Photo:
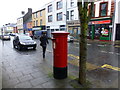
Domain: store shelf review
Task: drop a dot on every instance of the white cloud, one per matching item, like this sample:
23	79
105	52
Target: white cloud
10	10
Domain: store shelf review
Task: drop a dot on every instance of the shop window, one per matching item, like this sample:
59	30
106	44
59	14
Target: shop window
97	31
103	9
56	29
52	30
105	31
89	32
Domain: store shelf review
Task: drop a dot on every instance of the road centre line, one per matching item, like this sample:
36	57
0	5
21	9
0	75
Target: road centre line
88	44
101	45
110	52
103	51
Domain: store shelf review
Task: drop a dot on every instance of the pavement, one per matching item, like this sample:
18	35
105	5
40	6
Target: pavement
21	72
38	73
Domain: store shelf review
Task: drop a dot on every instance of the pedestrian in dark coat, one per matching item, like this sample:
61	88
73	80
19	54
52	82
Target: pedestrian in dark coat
44	42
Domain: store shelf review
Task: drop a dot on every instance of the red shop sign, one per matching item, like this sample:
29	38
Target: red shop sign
101	22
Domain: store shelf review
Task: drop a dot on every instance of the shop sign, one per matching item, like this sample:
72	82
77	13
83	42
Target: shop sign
101	22
76	22
29	25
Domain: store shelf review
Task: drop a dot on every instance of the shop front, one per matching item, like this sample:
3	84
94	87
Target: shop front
74	28
100	29
37	29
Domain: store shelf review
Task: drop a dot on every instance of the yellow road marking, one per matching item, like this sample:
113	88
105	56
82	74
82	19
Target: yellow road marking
77	57
116	46
110	67
90	66
75	62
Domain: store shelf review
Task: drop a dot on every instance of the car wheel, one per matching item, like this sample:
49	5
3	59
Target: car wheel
19	47
14	45
34	48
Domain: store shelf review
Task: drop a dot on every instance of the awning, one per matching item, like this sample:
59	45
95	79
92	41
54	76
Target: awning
38	28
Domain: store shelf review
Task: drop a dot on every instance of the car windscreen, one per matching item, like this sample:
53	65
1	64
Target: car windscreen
5	35
25	38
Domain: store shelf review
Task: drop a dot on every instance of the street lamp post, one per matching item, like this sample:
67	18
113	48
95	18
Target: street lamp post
65	21
65	16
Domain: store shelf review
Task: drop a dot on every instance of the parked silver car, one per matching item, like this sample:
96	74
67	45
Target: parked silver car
70	38
5	37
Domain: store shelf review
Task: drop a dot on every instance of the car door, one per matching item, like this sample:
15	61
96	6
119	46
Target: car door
16	40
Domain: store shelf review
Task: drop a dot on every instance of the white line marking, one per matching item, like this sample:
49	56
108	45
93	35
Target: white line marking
101	45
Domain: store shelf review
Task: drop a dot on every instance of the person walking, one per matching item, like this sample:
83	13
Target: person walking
44	42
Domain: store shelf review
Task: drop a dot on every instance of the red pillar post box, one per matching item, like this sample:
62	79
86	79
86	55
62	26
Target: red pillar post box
60	54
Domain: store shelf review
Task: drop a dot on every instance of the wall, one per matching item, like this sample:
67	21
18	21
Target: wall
43	17
20	23
55	24
97	7
75	8
116	18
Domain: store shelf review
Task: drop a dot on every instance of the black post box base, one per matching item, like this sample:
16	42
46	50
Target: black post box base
60	73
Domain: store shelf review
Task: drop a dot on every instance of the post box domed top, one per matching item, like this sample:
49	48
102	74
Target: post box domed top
60	33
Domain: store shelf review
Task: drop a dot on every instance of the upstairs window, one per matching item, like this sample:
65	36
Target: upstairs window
34	15
40	13
59	5
50	8
36	22
93	11
40	21
103	9
72	15
67	16
72	3
50	18
59	16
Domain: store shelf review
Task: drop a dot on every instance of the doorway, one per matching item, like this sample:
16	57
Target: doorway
117	32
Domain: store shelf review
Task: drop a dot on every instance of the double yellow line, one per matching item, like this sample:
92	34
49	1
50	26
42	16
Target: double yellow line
110	67
89	65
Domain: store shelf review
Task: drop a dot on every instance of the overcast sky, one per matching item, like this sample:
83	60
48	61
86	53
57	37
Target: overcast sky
10	10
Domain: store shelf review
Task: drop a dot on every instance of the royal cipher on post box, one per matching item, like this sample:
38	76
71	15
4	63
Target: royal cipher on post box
60	54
